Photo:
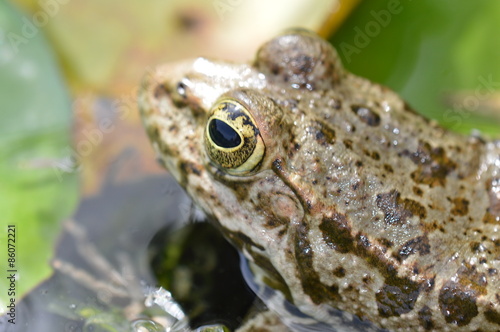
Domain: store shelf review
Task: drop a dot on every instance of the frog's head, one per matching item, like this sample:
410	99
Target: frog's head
224	131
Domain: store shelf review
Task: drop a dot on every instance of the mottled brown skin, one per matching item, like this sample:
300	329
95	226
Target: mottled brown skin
359	203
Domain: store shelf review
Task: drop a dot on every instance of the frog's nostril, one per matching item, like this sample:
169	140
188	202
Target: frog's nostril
177	94
181	89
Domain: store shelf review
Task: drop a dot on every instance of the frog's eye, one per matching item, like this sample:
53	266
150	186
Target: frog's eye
232	139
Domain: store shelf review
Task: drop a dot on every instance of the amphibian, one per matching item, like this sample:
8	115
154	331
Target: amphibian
341	195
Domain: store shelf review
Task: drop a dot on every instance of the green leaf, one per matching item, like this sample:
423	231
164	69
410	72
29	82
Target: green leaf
427	50
35	193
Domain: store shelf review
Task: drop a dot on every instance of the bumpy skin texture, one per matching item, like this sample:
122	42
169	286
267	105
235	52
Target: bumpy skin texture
359	203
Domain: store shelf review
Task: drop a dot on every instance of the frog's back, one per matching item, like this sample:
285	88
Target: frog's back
389	193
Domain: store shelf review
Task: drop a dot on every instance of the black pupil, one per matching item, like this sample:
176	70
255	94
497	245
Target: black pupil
223	135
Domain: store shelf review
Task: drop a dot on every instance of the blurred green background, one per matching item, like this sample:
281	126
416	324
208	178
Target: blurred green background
442	56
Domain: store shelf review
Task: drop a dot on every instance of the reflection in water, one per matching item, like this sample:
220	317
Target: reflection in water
103	279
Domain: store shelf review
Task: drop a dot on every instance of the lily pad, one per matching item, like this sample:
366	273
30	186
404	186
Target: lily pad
36	190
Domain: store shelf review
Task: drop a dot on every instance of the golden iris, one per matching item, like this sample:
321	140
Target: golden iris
232	139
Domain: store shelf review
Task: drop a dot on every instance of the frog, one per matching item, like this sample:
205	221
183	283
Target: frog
357	211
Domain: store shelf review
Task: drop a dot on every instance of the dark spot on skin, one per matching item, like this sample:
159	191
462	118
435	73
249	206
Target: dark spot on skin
438	227
277	164
375	156
359	163
476	247
388	168
190	168
183	181
367	280
417	191
492	316
276	222
433	165
489	218
303	62
348	144
458	305
339	272
425	318
275	69
366	115
311	283
397	296
419	244
324	134
337	233
461	207
397	210
492	272
475	280
386	243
